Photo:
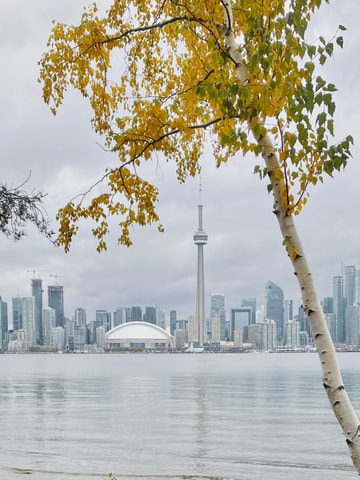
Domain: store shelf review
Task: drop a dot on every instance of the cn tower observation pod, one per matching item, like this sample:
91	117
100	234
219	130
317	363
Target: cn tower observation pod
141	335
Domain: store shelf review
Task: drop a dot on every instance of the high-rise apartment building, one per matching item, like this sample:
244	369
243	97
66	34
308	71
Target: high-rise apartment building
288	310
350	284
172	322
160	318
292	334
28	318
274	307
80	316
17	313
56	301
36	292
48	325
150	315
103	319
136	314
339	308
4	327
119	316
352	324
217	309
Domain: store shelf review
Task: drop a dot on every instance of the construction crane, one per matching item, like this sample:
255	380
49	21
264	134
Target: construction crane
33	271
56	276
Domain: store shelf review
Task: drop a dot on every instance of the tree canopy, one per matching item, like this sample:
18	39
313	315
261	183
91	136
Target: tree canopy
167	76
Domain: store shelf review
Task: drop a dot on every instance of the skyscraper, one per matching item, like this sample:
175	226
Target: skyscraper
80	316
3	324
350	288
172	321
17	313
240	319
250	302
36	292
200	239
217	309
274	307
103	319
150	315
28	318
56	301
339	308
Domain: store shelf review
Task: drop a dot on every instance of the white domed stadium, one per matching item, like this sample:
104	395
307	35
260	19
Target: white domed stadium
138	335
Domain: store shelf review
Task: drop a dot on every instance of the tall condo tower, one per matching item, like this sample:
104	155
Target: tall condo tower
200	239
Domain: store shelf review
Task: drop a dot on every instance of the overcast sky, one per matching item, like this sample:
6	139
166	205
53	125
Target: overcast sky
244	249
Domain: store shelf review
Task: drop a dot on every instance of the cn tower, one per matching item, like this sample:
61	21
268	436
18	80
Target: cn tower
200	239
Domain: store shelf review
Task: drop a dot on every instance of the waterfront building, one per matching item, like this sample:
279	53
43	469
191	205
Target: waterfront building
292	334
274	307
18	341
349	285
59	338
192	330
140	335
150	315
56	301
36	292
304	321
69	329
339	308
103	319
136	314
48	324
100	337
160	318
182	324
288	310
119	316
238	338
181	338
240	318
304	338
4	327
331	324
28	318
269	332
328	305
352	324
80	316
215	328
250	302
17	313
255	334
357	285
172	321
217	309
200	239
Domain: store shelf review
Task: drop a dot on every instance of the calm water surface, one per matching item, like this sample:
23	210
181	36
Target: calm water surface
225	416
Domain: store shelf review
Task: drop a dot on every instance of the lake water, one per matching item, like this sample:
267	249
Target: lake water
169	416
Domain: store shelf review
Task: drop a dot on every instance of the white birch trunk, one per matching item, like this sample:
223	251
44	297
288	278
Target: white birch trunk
331	374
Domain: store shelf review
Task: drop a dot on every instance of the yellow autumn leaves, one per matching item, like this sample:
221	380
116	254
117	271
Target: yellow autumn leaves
159	78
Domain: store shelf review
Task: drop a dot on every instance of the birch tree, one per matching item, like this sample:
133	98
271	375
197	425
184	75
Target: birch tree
239	73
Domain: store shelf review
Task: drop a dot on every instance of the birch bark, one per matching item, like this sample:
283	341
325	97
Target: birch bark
332	379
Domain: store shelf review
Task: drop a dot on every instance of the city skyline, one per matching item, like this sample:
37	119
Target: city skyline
216	302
